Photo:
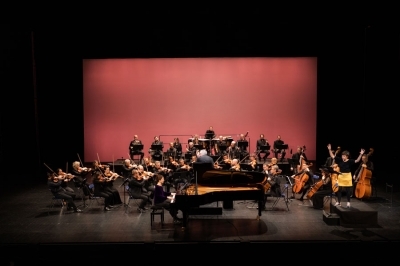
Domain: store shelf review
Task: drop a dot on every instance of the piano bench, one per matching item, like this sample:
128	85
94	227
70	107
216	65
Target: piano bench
155	210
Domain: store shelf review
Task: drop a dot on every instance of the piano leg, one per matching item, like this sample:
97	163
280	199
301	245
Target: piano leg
260	207
185	218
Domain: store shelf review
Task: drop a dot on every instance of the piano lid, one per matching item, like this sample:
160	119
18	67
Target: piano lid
224	178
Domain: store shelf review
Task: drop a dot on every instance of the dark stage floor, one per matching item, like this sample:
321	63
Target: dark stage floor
28	224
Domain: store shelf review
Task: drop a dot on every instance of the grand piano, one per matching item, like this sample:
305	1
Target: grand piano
219	185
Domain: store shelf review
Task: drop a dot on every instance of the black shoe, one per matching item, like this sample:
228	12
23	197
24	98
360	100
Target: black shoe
176	221
107	209
78	210
141	209
110	206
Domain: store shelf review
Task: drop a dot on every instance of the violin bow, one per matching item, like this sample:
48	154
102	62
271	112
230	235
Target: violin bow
49	168
80	159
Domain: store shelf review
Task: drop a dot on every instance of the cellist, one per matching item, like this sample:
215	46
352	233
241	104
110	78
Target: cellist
365	164
304	174
317	199
344	178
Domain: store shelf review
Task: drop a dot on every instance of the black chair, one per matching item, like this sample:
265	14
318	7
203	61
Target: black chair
131	198
156	211
56	201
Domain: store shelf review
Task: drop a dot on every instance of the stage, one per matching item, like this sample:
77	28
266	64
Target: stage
28	223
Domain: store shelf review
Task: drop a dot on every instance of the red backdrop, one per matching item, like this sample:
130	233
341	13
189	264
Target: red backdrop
183	97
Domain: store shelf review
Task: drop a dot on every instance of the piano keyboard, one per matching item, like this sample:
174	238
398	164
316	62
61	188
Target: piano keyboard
173	197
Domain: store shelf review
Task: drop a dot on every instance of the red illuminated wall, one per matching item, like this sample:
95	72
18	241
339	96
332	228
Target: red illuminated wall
177	97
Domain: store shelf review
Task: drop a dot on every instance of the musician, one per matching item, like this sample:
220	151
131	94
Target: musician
136	188
127	168
277	144
220	146
305	170
297	157
54	184
365	164
171	151
100	191
242	144
148	165
135	151
157	155
196	140
274	161
235	166
165	172
163	199
233	151
273	180
97	165
344	178
317	199
191	149
172	164
253	162
65	178
210	134
262	142
80	174
184	169
109	177
178	148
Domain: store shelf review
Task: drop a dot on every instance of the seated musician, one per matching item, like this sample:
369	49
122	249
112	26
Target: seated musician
305	170
148	165
110	177
260	150
171	151
157	155
196	140
186	170
220	146
158	170
242	144
163	199
274	161
135	151
277	144
172	164
233	151
235	166
297	158
253	162
193	160
136	188
325	189
80	174
127	168
65	178
273	180
97	165
54	184
101	191
178	148
191	149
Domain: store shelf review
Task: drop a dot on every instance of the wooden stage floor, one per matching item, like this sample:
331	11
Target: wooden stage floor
27	224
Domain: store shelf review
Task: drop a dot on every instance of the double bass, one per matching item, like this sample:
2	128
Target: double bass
363	188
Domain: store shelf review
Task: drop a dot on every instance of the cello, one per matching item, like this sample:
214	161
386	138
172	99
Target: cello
363	188
300	180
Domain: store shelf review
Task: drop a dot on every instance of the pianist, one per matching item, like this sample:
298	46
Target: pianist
163	199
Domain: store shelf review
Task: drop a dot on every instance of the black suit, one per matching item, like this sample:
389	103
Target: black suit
260	143
136	189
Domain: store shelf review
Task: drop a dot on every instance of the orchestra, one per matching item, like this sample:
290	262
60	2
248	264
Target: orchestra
225	155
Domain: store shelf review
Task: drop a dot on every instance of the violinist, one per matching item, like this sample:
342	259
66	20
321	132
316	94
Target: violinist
277	147
235	166
261	143
65	178
148	180
193	160
148	165
305	170
274	161
108	178
54	184
325	189
97	165
136	187
253	162
365	164
127	168
133	150
157	154
171	151
158	170
344	178
185	173
191	149
80	179
273	180
172	164
178	148
101	191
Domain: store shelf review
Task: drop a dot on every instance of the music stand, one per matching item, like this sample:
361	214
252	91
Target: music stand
137	147
246	167
265	147
156	147
242	145
222	147
282	147
198	146
209	136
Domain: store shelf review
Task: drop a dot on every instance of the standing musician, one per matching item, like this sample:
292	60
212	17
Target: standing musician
133	151
365	164
344	178
171	151
305	170
260	143
54	184
210	134
323	188
233	151
136	185
273	181
298	158
157	155
242	144
80	174
127	168
277	144
178	147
